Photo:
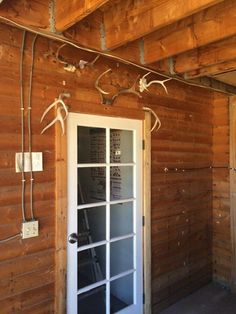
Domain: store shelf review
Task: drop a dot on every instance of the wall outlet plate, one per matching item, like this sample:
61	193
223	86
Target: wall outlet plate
30	229
37	161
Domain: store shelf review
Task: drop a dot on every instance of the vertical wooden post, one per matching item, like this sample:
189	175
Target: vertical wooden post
147	214
233	188
61	221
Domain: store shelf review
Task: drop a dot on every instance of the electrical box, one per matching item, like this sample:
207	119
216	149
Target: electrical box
30	229
37	161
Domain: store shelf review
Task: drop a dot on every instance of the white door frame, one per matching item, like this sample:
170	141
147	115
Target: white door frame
75	119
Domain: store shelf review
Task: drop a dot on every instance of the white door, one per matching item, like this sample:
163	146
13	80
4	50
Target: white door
104	273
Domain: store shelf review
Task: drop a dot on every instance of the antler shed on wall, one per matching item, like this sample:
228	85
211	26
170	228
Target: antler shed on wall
60	108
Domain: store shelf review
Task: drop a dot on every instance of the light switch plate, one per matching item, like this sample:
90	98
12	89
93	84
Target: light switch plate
30	229
37	161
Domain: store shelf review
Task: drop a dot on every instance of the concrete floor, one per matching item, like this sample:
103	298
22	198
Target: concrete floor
211	299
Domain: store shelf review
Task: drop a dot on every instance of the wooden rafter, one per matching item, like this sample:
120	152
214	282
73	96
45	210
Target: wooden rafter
87	32
68	13
29	13
210	25
130	20
212	54
211	70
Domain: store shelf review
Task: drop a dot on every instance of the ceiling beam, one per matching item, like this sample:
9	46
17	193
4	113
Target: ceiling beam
205	56
68	13
212	24
211	70
132	19
87	32
29	13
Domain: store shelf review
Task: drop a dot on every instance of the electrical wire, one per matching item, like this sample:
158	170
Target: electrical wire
29	126
181	170
10	238
63	39
22	108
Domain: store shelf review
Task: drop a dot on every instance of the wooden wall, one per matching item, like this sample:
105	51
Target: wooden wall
27	267
181	201
221	191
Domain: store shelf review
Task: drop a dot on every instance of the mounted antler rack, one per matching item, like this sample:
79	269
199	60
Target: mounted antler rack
103	94
73	67
143	84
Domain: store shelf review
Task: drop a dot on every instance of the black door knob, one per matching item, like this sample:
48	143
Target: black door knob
73	238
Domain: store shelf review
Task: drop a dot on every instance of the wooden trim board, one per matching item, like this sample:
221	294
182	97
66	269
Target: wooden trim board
60	221
147	213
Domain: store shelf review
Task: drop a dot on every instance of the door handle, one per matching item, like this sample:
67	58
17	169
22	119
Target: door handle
73	238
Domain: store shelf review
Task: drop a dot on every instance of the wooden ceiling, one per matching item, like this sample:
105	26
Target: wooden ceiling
188	38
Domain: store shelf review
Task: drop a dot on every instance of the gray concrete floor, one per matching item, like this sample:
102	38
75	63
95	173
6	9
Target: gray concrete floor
211	299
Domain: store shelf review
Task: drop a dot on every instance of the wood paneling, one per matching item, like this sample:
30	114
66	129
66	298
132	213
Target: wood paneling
232	219
221	191
181	200
27	267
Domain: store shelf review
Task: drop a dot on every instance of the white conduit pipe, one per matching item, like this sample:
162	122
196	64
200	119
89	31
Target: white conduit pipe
29	127
22	108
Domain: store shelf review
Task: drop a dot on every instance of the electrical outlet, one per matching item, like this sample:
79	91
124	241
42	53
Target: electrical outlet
30	229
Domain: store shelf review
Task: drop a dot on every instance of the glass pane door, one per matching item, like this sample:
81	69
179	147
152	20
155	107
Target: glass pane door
104	215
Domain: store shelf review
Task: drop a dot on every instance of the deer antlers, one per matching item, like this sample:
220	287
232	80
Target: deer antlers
61	107
103	94
69	67
143	85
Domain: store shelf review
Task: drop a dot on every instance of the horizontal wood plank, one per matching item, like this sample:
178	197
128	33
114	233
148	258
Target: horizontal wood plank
212	54
143	17
210	25
68	13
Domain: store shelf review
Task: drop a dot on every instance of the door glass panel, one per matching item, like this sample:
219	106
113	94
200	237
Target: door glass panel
91	145
91	185
91	266
91	225
121	258
93	301
121	182
121	146
121	294
121	219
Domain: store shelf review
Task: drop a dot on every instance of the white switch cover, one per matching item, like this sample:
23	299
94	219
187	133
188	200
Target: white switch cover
30	229
37	161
